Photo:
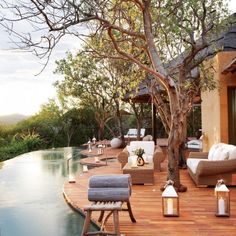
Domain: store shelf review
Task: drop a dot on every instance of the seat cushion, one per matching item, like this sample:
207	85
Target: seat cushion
195	144
212	150
132	159
148	146
222	151
220	154
231	149
130	149
192	164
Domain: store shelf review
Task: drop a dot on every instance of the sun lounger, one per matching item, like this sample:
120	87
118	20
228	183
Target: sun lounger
132	134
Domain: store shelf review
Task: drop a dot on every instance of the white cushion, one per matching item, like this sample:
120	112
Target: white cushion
133	133
192	164
130	149
231	150
232	153
148	146
224	155
194	144
212	151
148	158
132	159
221	153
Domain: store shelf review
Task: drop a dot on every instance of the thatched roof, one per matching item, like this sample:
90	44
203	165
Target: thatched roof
225	41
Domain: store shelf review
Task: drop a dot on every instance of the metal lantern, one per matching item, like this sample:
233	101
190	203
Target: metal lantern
170	200
100	149
222	199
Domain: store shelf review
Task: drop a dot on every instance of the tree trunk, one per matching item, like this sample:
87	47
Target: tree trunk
175	141
69	137
119	122
112	133
182	148
101	130
139	125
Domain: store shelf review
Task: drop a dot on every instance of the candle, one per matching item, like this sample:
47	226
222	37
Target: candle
170	206
71	179
134	162
85	168
221	206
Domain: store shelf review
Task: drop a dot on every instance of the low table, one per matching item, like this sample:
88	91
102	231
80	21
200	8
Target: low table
141	174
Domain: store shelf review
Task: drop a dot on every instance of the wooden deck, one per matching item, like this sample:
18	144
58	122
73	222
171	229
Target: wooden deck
197	207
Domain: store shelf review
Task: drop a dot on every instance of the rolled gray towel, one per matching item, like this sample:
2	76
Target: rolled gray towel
110	181
108	194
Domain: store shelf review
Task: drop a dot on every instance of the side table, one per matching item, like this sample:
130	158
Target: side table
141	174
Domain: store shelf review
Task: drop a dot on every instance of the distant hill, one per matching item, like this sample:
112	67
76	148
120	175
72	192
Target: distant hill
12	119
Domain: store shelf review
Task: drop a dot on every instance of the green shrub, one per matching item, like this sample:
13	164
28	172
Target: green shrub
21	144
12	150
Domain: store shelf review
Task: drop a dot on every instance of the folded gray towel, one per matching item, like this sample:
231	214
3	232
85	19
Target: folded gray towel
110	181
108	194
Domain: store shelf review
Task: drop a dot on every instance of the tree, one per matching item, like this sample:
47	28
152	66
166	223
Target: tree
95	82
50	116
148	33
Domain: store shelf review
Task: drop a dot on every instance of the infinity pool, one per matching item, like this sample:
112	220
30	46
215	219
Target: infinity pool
31	200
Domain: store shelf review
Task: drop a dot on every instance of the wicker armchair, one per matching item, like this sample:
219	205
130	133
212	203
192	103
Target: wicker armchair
207	170
158	157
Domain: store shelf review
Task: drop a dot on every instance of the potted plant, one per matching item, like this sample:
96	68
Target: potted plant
139	152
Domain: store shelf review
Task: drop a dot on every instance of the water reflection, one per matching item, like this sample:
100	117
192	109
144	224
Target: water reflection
31	201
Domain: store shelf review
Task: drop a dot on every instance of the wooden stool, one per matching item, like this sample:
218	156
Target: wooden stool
113	208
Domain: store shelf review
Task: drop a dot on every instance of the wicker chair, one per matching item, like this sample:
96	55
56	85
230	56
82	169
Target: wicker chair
158	157
207	171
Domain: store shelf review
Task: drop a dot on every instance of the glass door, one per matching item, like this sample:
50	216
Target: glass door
232	114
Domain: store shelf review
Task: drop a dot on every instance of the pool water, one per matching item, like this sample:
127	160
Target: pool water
31	199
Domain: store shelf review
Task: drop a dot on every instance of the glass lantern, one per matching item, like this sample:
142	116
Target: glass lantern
94	140
89	146
85	168
100	149
222	199
71	179
170	200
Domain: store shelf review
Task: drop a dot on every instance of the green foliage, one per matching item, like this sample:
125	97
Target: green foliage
194	122
20	143
98	83
12	150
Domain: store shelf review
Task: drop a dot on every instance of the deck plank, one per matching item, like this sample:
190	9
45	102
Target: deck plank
197	207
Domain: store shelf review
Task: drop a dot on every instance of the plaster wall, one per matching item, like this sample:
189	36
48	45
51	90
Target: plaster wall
215	103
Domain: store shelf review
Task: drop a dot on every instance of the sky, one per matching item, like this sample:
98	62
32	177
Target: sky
21	91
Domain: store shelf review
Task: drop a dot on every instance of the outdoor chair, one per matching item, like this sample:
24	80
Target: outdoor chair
153	154
132	134
195	144
108	193
220	163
